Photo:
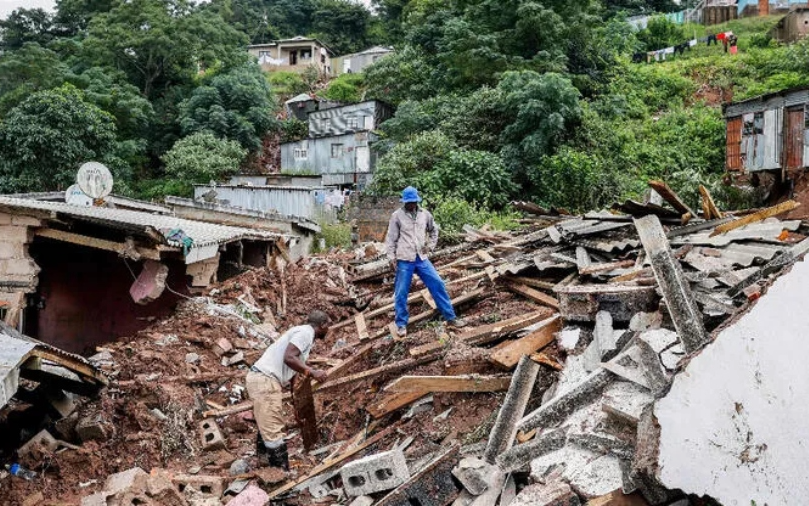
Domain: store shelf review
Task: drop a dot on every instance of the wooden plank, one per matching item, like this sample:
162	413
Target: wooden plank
466	383
532	282
245	406
534	295
303	401
632	275
425	294
709	207
523	437
393	402
762	215
671	197
508	357
328	464
371	373
541	358
362	328
484	256
618	498
282	248
93	242
596	268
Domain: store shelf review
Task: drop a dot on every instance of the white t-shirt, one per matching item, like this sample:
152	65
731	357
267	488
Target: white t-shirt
272	363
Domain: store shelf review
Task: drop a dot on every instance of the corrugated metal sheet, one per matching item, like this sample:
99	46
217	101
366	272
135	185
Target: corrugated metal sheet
330	155
793	152
734	144
364	116
773	127
288	200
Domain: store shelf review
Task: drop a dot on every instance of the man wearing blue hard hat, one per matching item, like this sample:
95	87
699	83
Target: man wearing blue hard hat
412	234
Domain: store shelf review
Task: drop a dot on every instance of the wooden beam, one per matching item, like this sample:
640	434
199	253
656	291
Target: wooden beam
534	295
60	382
783	207
532	282
466	383
362	328
328	464
508	357
371	373
709	208
671	197
541	358
92	242
393	402
303	401
596	268
216	413
425	294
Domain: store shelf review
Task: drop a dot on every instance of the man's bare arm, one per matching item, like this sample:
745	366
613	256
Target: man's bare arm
292	358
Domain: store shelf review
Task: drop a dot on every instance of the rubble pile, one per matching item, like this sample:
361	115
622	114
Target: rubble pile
563	390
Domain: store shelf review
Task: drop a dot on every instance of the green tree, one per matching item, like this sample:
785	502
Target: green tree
73	16
200	158
160	43
661	33
27	70
237	105
23	26
45	139
341	24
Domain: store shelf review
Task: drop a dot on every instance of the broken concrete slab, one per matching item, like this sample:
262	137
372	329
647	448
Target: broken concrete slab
476	475
676	291
742	423
509	491
431	486
558	494
569	338
561	463
625	401
598	477
659	339
521	455
565	403
640	364
581	303
641	322
501	437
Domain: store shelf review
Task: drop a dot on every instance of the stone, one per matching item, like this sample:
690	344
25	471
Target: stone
211	436
250	496
599	477
269	476
557	494
235	359
97	499
642	322
421	406
375	473
134	479
362	500
191	358
92	428
34	499
476	475
239	466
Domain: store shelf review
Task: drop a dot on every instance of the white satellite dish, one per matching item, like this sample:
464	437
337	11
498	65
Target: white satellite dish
95	180
75	197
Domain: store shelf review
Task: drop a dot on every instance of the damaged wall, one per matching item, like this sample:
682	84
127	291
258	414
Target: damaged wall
734	425
18	271
85	293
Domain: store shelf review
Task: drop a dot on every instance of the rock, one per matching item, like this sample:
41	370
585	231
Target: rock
92	428
191	358
475	474
238	467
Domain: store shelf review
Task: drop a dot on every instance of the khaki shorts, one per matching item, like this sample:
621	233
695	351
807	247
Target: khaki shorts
268	407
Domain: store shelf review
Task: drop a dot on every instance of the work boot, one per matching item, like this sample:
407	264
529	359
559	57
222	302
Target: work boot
401	331
261	448
457	323
277	456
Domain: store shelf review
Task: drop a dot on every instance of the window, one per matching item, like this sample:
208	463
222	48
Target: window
753	124
301	154
353	123
337	151
306	55
264	54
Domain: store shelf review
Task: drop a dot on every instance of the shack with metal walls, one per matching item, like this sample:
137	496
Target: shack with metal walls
768	133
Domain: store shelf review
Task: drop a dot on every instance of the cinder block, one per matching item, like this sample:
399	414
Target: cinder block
208	486
375	473
5	219
212	438
92	428
21	267
133	479
25	221
12	250
12	233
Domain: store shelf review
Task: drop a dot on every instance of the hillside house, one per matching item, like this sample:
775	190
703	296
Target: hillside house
293	55
792	27
339	144
768	133
300	106
357	62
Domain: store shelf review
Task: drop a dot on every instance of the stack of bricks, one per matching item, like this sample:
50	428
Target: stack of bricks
18	271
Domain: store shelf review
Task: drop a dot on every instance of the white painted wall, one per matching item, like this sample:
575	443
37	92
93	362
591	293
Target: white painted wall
735	424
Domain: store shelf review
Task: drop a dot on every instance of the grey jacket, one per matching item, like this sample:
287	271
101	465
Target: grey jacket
408	238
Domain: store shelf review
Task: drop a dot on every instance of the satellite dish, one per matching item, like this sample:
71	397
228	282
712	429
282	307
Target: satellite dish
75	197
95	180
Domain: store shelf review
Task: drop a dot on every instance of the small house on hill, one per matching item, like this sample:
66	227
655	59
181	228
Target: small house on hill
792	27
768	133
293	55
300	106
357	62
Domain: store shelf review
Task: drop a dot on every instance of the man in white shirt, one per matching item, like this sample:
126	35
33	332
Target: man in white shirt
272	373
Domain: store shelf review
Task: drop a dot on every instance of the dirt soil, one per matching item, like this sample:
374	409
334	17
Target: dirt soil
152	412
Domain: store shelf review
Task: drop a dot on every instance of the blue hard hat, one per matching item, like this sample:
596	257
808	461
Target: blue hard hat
410	194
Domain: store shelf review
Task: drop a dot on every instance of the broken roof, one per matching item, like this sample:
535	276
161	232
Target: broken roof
149	225
16	350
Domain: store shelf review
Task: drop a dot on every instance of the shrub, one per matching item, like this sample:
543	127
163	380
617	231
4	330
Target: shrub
200	158
346	88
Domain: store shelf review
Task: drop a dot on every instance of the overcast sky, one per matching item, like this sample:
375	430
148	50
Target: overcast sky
6	6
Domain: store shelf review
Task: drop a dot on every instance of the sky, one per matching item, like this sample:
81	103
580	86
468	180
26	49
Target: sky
6	6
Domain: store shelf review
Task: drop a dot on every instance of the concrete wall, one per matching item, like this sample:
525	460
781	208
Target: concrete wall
734	424
18	271
372	215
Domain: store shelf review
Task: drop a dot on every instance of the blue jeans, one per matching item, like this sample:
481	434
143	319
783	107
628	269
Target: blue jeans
435	285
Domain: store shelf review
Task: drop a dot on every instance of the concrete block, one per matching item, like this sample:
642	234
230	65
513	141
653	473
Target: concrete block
250	496
131	479
5	219
375	473
564	404
206	486
211	436
521	455
624	401
11	233
34	447
476	475
20	267
561	463
92	428
599	477
25	221
557	494
501	438
10	250
431	486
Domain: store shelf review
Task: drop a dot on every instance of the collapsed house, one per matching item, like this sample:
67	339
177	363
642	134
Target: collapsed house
595	372
78	276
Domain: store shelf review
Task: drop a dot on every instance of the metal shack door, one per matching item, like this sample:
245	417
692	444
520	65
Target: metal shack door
793	146
363	154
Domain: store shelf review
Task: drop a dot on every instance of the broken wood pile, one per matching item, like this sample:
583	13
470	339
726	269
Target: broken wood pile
578	325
